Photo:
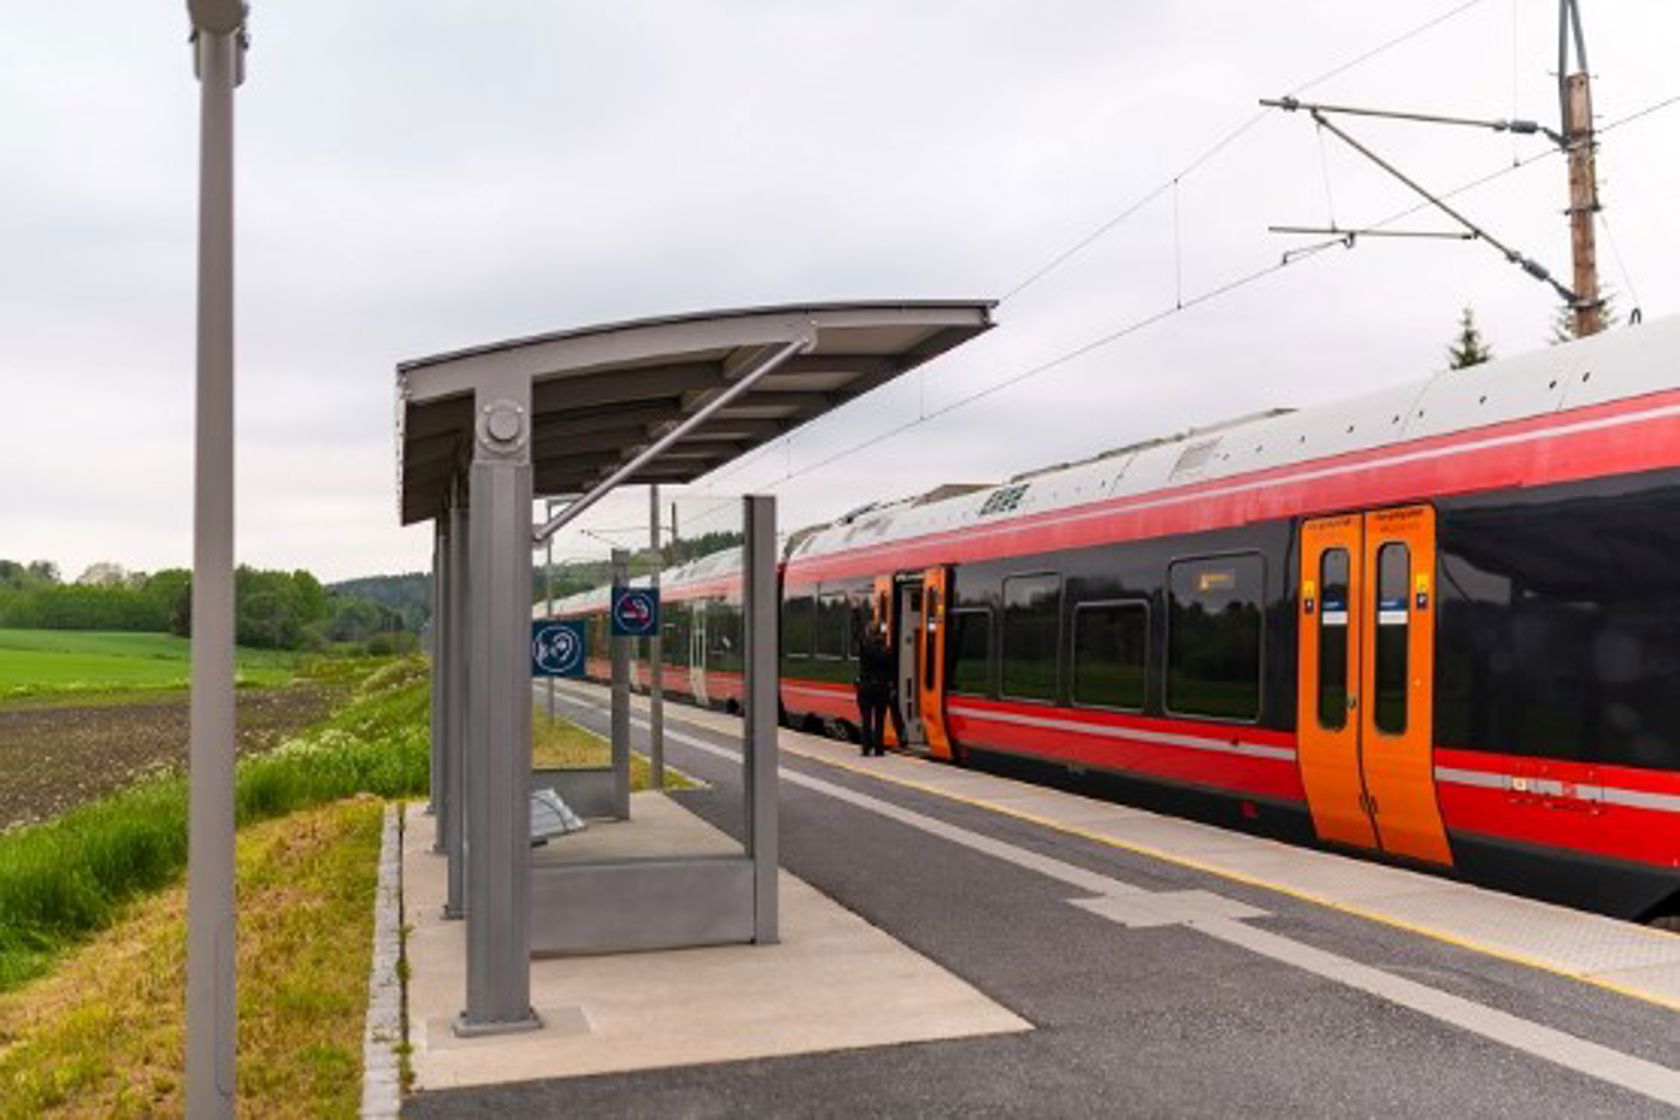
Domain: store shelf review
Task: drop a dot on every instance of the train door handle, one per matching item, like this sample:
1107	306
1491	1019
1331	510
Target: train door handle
1353	701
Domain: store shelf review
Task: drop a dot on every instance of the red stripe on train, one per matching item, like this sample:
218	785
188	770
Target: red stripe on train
1207	766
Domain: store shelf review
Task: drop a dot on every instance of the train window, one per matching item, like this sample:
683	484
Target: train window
799	626
1031	615
1214	634
1110	652
857	615
833	626
673	646
970	642
723	636
1394	574
1333	608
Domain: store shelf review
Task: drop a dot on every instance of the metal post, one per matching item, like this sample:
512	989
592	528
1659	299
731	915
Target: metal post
499	708
454	818
211	1017
656	664
434	773
762	698
621	699
548	608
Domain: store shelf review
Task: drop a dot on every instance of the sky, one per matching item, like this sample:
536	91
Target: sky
421	176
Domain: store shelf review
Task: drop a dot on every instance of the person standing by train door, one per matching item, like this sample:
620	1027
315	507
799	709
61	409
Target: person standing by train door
874	682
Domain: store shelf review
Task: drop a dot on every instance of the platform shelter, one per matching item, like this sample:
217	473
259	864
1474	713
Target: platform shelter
485	431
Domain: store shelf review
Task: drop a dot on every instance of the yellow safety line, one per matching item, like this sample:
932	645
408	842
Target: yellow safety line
1454	939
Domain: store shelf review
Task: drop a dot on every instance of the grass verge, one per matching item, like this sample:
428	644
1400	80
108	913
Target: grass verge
103	1035
563	745
72	877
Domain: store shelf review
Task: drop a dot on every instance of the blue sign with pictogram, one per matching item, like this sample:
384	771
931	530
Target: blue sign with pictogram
635	612
557	648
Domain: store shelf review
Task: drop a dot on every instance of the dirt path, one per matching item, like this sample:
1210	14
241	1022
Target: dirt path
52	759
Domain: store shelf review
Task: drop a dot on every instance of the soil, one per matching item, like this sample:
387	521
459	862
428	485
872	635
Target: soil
55	758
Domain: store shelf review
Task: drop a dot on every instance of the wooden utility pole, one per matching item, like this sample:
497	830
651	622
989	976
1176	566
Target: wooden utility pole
1575	98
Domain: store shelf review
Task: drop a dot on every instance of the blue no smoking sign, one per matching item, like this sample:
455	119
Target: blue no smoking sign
557	649
635	612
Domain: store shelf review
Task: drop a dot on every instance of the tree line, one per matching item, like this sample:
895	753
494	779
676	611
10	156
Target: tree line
573	576
272	609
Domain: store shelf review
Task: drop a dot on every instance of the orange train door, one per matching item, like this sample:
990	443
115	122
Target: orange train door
881	616
1365	697
1327	709
930	677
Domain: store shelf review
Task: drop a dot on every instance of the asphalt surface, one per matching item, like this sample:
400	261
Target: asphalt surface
1130	1021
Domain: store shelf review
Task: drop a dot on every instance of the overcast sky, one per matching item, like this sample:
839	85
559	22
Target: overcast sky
424	175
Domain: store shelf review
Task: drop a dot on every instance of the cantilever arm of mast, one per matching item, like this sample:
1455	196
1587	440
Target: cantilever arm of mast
1518	126
1528	264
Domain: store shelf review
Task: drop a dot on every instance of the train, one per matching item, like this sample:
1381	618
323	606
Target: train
1436	625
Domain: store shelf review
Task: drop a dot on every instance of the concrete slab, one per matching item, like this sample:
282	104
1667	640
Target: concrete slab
1578	943
657	829
834	983
1184	838
1320	875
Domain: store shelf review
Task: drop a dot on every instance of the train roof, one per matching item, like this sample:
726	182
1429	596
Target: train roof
1611	366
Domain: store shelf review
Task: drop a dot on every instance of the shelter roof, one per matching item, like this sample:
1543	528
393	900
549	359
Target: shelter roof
601	394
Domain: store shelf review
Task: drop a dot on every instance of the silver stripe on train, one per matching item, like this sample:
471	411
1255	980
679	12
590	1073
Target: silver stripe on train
1551	787
1252	750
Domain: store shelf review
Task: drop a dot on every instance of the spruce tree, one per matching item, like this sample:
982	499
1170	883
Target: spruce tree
1468	348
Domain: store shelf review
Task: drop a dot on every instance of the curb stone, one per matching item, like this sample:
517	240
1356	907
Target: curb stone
383	1034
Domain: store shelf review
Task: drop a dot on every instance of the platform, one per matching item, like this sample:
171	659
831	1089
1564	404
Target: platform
1168	967
833	983
1630	959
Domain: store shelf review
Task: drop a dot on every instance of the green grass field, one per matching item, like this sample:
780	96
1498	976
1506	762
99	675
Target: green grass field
58	662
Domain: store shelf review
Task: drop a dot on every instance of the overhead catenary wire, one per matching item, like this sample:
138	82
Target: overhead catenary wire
1151	319
1219	145
1171	184
1061	359
1635	314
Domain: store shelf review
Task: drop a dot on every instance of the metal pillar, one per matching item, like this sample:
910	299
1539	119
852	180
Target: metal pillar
621	699
759	729
453	820
548	597
211	1017
499	711
440	582
656	661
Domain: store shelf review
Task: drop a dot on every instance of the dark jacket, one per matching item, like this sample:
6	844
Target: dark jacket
875	670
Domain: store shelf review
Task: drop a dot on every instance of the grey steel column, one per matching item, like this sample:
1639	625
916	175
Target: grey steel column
434	772
211	1018
620	698
656	664
759	728
454	819
499	710
548	611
